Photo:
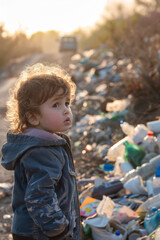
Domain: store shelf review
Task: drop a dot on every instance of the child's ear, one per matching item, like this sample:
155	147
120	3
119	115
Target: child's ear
32	119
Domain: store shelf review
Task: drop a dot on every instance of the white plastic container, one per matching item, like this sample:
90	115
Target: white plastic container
149	142
140	132
135	185
117	150
154	126
126	167
118	235
127	129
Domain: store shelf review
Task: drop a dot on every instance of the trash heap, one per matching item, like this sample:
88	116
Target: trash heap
116	151
117	161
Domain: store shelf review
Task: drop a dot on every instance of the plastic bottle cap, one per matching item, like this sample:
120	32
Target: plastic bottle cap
117	233
122	121
108	167
154	209
157	174
106	159
150	134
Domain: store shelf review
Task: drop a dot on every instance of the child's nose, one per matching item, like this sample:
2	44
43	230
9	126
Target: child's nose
66	110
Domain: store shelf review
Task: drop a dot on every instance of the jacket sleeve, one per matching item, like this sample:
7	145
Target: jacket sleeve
43	170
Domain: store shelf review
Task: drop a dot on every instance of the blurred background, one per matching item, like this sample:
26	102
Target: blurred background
125	26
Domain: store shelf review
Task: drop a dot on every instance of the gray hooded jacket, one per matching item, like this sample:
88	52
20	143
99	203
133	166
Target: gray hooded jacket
45	201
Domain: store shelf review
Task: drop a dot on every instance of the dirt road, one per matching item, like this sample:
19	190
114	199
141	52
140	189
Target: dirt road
5	85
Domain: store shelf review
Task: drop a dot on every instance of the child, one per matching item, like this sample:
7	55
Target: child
45	201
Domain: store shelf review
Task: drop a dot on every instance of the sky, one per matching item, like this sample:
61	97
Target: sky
43	15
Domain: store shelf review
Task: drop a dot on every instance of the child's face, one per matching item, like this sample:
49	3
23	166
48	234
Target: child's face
56	114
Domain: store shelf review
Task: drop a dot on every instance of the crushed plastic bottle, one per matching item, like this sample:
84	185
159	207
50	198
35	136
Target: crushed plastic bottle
151	220
149	142
133	154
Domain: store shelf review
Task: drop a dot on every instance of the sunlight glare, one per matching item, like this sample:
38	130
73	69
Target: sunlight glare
43	15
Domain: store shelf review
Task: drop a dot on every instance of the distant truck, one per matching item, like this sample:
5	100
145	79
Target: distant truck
68	43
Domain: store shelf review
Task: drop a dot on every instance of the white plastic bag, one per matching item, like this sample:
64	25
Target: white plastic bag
105	207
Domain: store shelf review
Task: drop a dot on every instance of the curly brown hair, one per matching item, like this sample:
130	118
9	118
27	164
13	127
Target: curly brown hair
35	85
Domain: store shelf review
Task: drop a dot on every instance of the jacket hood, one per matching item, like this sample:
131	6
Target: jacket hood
18	144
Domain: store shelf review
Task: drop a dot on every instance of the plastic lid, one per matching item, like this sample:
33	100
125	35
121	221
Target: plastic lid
117	233
122	121
150	134
157	174
108	167
154	209
106	159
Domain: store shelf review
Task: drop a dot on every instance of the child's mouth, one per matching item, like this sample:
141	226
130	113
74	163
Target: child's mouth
67	121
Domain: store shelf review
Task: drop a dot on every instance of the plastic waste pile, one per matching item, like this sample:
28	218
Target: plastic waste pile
126	203
117	162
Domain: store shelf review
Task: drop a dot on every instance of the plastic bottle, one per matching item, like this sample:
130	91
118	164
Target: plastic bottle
145	171
149	142
126	167
140	132
117	150
118	235
86	229
127	128
151	220
133	154
107	188
156	182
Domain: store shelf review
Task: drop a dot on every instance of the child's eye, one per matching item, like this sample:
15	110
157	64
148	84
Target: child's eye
67	104
56	105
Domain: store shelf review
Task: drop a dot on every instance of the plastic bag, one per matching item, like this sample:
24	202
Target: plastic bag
105	207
